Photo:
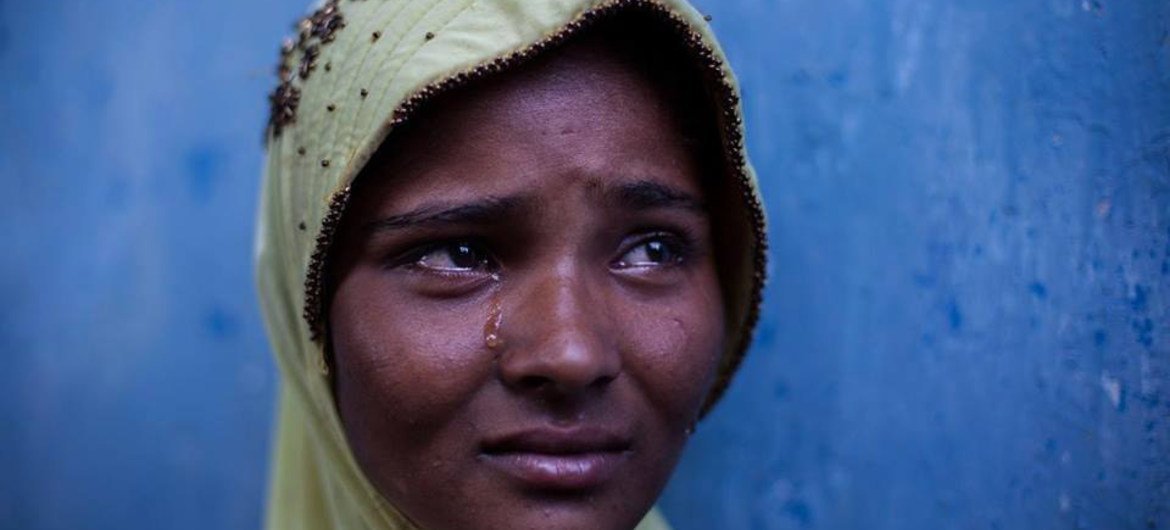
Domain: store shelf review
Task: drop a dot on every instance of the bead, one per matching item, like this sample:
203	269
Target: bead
309	60
284	101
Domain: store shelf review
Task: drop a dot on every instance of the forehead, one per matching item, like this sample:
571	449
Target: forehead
585	114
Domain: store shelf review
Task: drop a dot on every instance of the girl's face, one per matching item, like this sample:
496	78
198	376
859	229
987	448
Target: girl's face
526	314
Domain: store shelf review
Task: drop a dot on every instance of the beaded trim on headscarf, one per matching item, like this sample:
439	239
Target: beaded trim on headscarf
313	31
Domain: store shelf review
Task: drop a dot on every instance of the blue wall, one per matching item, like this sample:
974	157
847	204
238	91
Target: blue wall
967	324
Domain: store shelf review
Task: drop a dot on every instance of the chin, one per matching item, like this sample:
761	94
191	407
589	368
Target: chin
561	511
566	521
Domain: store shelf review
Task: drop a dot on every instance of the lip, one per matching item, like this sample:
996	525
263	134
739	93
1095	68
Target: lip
578	458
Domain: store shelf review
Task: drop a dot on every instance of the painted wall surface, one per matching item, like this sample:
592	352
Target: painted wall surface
967	324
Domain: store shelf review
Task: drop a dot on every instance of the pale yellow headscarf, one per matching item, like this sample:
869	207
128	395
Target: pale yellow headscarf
355	69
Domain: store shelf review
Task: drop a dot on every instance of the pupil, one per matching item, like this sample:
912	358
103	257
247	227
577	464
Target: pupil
464	257
656	251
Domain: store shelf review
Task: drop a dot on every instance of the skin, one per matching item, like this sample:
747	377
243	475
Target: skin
559	209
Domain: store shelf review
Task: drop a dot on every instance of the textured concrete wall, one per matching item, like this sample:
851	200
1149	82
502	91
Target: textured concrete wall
967	323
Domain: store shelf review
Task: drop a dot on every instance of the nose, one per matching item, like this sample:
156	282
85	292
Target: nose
559	341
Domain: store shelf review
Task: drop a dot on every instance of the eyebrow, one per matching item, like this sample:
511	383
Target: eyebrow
481	211
647	194
637	195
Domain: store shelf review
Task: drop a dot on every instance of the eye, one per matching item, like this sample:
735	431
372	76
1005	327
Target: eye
653	251
453	256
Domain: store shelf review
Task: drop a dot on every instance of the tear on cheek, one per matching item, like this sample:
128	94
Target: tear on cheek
492	334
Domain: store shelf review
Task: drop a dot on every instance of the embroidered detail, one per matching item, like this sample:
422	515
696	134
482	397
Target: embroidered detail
309	60
283	70
314	280
326	22
284	102
313	31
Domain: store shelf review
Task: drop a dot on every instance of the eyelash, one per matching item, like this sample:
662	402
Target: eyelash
679	243
412	258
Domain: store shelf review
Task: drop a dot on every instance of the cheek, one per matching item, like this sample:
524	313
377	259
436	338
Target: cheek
402	360
673	345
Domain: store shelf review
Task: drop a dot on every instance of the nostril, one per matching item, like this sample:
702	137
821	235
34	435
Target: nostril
539	383
533	382
603	381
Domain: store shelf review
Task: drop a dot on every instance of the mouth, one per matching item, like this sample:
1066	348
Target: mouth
558	459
